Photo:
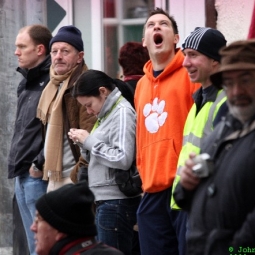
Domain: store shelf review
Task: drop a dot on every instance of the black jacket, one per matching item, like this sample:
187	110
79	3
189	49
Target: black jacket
27	142
222	208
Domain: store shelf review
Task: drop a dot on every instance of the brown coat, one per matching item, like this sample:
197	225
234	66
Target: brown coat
75	116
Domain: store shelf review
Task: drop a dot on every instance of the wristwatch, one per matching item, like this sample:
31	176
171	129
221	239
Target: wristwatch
35	168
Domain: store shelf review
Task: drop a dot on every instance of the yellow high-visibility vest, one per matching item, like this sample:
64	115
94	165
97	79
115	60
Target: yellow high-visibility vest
196	128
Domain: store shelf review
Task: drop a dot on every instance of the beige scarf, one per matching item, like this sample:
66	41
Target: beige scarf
50	111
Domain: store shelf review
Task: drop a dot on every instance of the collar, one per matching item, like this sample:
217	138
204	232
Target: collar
32	73
135	77
70	245
111	99
232	123
157	73
211	93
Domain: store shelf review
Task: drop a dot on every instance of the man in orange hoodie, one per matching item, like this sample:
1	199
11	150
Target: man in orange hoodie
163	99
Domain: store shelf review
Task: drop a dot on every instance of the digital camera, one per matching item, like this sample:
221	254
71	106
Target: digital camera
203	165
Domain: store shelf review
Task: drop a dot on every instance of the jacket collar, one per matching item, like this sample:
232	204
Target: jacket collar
32	73
212	93
70	245
109	102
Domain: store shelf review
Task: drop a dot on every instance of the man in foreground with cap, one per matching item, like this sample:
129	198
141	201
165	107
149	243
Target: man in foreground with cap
221	204
64	223
60	111
201	59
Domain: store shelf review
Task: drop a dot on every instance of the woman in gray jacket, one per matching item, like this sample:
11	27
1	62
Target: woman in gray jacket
108	147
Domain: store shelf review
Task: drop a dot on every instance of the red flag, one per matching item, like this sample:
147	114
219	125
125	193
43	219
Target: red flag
252	26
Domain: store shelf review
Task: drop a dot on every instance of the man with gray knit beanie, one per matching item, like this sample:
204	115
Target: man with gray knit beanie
59	111
64	223
201	59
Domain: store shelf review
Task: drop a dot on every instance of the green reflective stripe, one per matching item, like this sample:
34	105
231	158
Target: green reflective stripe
208	126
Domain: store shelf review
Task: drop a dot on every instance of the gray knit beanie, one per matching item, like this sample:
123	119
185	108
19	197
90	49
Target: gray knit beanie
207	41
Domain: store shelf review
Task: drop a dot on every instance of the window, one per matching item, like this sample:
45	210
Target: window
122	22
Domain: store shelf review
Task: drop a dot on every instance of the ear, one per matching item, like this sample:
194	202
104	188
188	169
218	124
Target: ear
40	49
215	64
143	42
176	38
103	91
80	57
60	236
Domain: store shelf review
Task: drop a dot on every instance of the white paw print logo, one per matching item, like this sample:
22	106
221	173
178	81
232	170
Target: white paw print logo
155	116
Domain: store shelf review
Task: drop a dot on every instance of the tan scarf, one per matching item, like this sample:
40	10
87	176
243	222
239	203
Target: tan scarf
50	111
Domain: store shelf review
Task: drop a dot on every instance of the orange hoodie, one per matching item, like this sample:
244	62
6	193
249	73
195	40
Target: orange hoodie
162	105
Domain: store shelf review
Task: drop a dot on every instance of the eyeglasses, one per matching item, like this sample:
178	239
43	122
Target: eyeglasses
244	82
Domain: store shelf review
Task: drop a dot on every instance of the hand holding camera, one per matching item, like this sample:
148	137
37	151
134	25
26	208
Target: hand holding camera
196	167
203	165
189	180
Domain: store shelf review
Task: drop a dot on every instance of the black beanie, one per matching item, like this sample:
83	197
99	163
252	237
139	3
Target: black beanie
207	41
69	209
69	34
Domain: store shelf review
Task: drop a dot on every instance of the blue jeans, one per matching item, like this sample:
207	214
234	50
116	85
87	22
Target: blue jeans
161	230
27	191
115	220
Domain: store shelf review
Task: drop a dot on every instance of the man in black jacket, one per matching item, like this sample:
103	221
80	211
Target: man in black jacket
25	162
219	193
65	223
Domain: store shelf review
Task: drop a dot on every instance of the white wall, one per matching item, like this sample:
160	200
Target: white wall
234	17
82	19
188	15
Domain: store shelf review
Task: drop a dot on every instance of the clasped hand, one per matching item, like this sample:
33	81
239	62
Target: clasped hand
78	135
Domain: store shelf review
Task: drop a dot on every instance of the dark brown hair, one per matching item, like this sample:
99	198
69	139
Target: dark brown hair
161	11
40	35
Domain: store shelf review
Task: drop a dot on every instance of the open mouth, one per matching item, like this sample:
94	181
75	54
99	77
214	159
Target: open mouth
158	39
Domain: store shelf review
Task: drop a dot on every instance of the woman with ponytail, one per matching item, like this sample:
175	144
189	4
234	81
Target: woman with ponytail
108	147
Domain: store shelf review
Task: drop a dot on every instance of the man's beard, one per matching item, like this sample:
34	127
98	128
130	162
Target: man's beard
242	113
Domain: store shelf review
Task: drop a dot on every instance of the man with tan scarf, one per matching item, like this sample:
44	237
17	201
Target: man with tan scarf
59	111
